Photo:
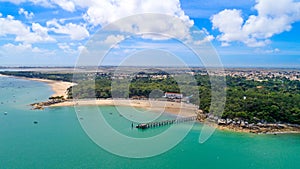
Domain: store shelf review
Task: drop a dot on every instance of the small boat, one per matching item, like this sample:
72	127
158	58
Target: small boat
35	122
5	113
142	126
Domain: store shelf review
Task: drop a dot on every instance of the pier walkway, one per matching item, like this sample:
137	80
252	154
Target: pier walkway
165	122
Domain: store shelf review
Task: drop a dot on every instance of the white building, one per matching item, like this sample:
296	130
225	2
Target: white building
170	95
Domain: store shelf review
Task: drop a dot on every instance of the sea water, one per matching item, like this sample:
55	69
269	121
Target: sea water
59	141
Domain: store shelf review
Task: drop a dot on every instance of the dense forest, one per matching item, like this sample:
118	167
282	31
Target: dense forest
271	100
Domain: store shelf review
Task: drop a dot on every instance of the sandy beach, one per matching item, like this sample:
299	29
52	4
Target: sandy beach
59	87
182	109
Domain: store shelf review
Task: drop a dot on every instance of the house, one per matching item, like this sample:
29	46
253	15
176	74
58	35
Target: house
170	95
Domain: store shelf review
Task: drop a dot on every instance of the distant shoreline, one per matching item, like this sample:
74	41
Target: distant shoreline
51	68
59	87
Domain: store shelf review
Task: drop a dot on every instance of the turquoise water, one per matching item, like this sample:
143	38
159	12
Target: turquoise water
58	141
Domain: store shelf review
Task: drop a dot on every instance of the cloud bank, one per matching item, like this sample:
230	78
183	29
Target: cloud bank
273	17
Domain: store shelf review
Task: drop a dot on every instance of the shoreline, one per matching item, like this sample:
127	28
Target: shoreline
262	130
174	108
181	109
58	87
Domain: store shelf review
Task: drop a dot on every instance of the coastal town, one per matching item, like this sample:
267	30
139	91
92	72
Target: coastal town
258	74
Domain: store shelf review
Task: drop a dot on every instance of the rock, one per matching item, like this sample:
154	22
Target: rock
251	125
281	126
221	121
229	121
242	124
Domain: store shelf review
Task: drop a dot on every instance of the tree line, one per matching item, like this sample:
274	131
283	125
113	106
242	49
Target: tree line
271	100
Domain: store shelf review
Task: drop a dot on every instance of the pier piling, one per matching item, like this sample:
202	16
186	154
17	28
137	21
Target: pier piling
165	122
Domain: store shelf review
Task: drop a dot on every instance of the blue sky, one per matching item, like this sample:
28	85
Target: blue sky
253	33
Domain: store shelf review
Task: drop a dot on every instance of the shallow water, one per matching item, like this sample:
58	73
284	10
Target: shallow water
58	140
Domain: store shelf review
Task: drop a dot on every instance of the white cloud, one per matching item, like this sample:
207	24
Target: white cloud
76	32
23	33
36	37
28	15
204	36
71	49
38	34
207	39
21	49
13	1
112	39
26	54
45	3
152	26
81	48
63	46
113	10
267	51
230	22
107	11
101	13
66	48
276	50
65	4
273	18
10	26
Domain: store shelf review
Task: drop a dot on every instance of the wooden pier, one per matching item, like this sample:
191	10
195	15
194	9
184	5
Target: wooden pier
165	122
